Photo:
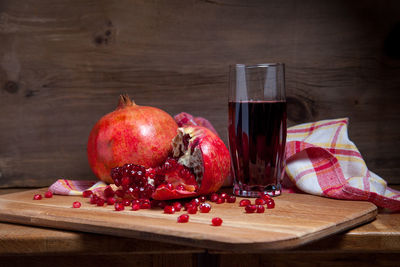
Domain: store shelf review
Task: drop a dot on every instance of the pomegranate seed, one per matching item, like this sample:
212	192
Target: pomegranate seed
37	197
110	201
251	208
169	209
120	193
136	201
220	200
184	218
180	187
108	192
187	206
177	206
162	204
100	202
231	199
76	204
205	208
93	199
214	197
145	204
192	210
125	181
217	221
48	194
260	209
170	186
244	202
270	204
203	198
119	206
126	202
265	196
195	202
224	195
87	193
259	201
135	206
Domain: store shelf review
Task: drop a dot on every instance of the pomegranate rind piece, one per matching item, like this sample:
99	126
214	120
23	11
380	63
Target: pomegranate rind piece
166	194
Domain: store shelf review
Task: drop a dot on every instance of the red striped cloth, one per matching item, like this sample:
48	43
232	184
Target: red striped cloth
321	160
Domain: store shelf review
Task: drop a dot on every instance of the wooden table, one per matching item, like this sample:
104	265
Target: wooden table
376	243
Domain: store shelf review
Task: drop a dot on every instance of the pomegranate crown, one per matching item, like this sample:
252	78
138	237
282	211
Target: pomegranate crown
125	101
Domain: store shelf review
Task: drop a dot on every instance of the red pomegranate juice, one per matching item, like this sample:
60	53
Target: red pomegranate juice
257	137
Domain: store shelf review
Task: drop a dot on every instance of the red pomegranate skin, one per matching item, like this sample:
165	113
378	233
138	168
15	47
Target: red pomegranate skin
216	164
131	134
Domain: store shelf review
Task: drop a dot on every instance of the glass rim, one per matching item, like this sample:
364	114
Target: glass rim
260	65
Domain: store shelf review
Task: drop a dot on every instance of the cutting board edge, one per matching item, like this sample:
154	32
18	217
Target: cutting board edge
289	243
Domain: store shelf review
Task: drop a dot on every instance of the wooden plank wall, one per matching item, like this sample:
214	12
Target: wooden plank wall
63	64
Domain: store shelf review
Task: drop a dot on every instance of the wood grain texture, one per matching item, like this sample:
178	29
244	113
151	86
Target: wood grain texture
63	64
297	219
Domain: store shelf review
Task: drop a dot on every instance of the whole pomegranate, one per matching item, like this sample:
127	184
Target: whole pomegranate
130	134
199	165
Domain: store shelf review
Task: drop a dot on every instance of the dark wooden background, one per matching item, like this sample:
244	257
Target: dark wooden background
64	63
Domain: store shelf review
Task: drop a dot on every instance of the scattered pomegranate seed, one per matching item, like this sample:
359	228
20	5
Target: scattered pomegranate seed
37	197
184	218
231	199
100	202
76	204
192	210
260	209
162	204
108	192
224	195
169	209
93	199
48	194
136	201
110	201
214	197
145	204
259	201
244	202
217	221
126	202
187	206
119	206
265	196
177	206
120	193
251	208
87	193
202	198
220	200
205	207
135	206
270	204
195	202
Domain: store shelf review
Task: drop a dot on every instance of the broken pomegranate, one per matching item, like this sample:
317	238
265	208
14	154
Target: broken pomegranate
132	133
199	165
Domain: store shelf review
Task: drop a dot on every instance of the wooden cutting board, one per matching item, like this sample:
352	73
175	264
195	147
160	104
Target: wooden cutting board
296	219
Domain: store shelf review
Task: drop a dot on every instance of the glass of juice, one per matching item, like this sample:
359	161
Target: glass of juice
257	127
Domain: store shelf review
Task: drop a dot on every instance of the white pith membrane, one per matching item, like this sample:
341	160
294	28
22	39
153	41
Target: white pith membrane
189	154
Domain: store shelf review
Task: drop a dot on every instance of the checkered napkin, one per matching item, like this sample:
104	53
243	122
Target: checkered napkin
321	160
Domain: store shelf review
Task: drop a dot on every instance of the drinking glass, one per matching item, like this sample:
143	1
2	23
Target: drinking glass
257	127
